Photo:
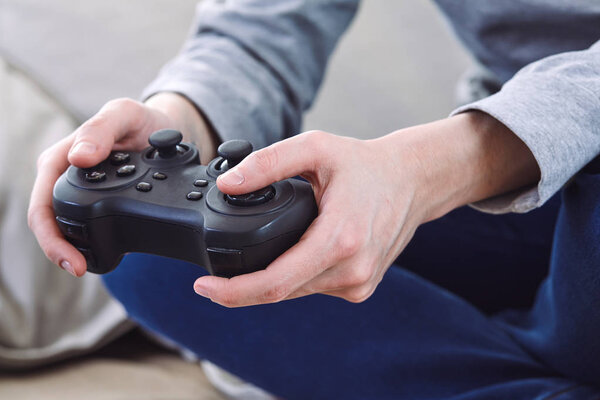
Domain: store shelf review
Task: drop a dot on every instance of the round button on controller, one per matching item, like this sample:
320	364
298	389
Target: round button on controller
260	196
119	158
159	176
95	176
144	187
126	170
194	196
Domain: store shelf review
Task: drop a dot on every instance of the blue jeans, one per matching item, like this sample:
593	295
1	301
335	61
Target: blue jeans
457	317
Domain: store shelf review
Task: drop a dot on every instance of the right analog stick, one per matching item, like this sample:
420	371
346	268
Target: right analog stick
255	198
234	151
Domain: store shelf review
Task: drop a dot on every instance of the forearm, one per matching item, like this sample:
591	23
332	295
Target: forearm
460	160
553	106
251	83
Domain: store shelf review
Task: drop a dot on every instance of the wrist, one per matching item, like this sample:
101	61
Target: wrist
460	160
187	119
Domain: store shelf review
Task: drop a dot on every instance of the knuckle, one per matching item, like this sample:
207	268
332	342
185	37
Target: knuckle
314	141
316	136
31	218
227	299
43	158
266	159
275	294
347	244
122	104
97	121
357	277
358	294
114	107
35	214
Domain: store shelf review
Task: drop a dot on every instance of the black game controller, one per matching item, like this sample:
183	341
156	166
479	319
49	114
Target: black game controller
162	201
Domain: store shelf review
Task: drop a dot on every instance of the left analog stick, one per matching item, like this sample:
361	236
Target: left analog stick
166	142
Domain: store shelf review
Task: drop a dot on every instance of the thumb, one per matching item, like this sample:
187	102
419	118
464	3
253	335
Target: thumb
291	157
95	138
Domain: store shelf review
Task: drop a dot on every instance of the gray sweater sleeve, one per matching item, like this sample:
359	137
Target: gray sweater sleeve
553	105
253	66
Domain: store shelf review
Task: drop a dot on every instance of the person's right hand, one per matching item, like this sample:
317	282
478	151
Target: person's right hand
120	124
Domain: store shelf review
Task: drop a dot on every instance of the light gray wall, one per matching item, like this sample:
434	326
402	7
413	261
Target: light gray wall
87	52
397	66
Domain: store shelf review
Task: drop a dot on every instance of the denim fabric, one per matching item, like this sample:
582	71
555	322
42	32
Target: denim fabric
563	328
479	256
412	339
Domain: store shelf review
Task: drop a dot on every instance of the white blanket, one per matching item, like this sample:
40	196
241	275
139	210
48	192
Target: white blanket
45	314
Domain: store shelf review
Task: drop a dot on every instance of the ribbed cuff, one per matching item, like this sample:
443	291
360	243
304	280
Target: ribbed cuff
552	117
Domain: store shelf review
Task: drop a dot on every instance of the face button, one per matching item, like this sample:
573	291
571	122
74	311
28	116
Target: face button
144	187
126	170
200	182
95	176
119	158
261	196
194	196
159	176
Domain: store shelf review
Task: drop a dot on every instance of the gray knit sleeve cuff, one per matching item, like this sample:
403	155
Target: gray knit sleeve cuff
557	129
240	100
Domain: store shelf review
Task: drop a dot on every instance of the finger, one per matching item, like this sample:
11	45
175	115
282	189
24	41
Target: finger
95	138
41	217
285	159
323	285
314	253
51	240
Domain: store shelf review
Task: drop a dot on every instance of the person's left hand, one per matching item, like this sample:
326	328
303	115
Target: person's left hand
367	215
372	195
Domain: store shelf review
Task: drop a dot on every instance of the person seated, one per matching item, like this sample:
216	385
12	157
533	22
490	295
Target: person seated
378	330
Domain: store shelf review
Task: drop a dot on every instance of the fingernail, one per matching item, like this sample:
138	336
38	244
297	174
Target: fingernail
67	267
232	177
201	290
84	149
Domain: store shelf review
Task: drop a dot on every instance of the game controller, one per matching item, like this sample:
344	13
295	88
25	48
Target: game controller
162	201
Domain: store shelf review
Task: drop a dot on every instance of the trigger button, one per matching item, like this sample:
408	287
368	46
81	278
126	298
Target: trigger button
72	229
225	259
